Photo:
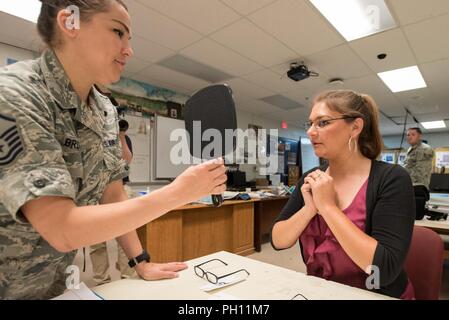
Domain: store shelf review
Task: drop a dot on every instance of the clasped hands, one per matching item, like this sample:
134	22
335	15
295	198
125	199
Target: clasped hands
318	192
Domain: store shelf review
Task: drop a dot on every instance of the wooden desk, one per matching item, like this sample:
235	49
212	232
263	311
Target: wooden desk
266	282
196	230
265	212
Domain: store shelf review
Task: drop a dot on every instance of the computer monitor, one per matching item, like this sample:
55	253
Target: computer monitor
236	179
439	182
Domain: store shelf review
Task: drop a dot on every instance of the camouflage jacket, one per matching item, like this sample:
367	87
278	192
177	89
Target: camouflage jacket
419	163
51	144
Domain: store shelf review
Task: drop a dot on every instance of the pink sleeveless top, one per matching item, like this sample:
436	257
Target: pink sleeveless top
325	258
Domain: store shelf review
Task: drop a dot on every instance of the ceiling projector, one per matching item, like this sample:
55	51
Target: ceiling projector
300	72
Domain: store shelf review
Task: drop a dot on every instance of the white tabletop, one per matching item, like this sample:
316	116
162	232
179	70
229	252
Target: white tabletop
266	282
439	226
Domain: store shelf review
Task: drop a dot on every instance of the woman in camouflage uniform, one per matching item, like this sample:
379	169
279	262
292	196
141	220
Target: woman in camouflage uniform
60	158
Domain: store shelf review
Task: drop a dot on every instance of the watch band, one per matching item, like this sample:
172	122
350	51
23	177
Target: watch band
144	256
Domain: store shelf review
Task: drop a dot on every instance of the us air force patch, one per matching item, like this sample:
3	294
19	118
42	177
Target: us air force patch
10	143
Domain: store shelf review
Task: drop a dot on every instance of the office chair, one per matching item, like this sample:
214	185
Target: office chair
421	197
424	263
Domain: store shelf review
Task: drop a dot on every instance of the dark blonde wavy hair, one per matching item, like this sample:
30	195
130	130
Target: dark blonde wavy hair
353	104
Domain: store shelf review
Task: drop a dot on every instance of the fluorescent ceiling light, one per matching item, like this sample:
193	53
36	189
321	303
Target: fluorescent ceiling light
404	79
25	9
356	19
434	124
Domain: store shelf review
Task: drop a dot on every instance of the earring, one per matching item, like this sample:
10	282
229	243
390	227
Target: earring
350	145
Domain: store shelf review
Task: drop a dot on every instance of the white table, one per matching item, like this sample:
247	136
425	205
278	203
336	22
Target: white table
266	282
441	227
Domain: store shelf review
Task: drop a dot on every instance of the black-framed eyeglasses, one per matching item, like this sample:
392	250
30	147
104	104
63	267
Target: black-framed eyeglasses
321	123
299	296
211	277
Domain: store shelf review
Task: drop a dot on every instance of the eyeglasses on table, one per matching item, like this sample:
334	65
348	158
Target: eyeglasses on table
211	277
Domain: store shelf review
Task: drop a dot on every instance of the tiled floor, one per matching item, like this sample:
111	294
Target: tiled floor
290	259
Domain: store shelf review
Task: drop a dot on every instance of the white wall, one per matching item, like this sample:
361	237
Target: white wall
436	140
7	51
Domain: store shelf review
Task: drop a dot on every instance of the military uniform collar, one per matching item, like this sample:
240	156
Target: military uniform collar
58	82
419	144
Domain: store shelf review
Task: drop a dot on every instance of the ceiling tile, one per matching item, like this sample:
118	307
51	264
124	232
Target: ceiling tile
282	102
173	77
135	65
297	25
149	51
436	74
258	107
410	11
371	84
250	41
302	95
204	16
153	26
244	90
393	43
194	68
272	81
340	62
245	7
427	41
214	54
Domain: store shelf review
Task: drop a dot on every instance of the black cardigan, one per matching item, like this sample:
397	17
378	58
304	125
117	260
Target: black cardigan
390	217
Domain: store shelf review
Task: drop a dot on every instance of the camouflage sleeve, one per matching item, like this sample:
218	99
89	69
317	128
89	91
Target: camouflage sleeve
423	156
113	155
31	162
118	166
427	154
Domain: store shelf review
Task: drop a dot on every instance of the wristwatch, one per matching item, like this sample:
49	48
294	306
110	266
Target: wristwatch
144	256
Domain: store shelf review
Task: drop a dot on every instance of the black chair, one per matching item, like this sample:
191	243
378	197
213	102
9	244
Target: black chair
439	182
421	197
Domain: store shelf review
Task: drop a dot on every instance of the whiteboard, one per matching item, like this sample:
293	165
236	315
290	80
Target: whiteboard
309	159
164	165
139	133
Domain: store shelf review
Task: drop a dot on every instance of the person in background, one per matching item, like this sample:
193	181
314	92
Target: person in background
61	165
418	161
98	252
353	215
418	164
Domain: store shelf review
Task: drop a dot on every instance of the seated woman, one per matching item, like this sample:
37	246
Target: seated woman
353	215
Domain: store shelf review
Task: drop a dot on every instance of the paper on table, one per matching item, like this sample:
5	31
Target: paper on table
229	194
222	296
222	283
83	293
